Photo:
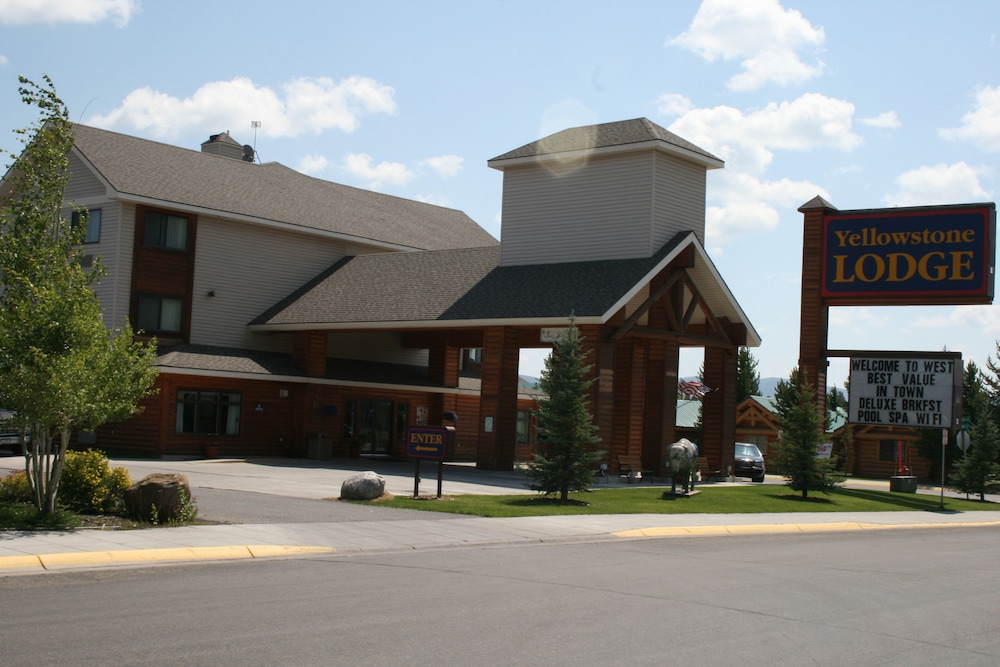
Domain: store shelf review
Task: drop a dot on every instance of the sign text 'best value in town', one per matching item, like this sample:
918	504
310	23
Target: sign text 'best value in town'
916	391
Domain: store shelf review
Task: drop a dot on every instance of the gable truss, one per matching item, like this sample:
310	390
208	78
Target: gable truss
681	300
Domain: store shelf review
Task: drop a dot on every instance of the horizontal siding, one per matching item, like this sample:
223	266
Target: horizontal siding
249	269
381	346
83	184
600	211
679	201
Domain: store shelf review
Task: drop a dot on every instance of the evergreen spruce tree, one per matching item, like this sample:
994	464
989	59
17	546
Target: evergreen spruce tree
978	472
566	458
747	376
802	424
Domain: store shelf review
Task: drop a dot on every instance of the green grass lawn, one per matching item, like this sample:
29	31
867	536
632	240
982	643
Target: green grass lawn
718	500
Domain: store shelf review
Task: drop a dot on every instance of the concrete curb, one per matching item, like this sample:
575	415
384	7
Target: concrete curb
68	560
759	529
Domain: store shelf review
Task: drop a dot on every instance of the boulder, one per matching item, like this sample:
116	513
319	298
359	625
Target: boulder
365	486
162	490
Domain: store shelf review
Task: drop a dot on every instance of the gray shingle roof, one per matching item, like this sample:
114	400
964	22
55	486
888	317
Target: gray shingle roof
605	135
455	286
271	192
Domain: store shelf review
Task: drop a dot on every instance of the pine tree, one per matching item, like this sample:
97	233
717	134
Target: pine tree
802	423
567	457
978	472
747	377
60	368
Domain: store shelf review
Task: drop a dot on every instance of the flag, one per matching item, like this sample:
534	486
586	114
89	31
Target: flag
692	389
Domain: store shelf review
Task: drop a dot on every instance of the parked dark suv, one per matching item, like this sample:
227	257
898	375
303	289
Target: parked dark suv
748	462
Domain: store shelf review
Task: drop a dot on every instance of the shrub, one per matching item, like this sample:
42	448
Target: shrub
89	484
14	488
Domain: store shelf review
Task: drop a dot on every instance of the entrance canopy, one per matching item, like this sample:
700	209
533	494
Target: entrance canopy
468	288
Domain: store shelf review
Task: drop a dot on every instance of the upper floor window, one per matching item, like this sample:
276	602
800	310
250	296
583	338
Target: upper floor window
163	230
91	219
158	313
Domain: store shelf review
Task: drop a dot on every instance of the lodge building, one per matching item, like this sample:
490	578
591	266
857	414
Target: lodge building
300	317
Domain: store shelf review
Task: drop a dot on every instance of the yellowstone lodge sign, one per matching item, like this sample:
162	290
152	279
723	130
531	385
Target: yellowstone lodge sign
916	389
909	255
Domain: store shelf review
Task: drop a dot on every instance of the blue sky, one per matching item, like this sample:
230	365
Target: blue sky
869	104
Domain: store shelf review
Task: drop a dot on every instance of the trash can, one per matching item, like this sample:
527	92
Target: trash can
903	483
319	447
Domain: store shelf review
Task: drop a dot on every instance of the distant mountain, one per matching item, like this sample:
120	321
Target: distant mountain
768	385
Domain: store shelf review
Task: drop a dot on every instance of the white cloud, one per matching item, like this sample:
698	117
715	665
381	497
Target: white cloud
20	12
673	104
437	200
762	34
887	120
857	320
376	175
985	319
939	184
309	105
313	164
3	60
982	124
445	165
746	140
743	200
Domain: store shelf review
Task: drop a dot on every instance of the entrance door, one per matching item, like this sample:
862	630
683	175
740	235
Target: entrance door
374	425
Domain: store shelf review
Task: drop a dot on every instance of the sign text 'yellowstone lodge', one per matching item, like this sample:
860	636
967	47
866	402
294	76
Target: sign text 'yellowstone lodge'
905	255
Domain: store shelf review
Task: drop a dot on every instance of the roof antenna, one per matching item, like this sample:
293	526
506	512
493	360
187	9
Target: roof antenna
255	124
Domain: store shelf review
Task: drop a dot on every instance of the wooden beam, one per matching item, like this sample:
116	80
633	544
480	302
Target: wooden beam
653	297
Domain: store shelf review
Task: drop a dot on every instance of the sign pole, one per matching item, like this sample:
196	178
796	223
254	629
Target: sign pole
944	443
416	479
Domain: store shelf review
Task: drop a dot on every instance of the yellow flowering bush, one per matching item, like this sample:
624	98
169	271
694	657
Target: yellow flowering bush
89	484
14	488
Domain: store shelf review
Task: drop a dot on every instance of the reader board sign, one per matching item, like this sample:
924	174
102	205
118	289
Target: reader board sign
903	255
912	389
430	442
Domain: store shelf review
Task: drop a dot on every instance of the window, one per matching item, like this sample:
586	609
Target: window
157	313
92	220
522	433
165	231
208	412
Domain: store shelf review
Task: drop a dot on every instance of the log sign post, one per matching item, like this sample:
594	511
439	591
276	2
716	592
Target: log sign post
436	443
908	256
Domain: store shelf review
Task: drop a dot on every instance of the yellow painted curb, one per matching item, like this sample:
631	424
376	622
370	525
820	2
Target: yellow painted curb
17	562
760	529
97	558
271	550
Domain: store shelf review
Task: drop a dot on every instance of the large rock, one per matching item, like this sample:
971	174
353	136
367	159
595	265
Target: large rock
161	490
365	486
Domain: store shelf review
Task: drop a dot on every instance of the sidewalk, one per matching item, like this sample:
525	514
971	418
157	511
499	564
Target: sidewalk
30	552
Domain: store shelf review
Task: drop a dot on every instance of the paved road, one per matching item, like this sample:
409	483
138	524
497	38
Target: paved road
902	597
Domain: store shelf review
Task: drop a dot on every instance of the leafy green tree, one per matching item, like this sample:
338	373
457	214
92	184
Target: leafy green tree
802	425
978	472
747	376
567	456
61	369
